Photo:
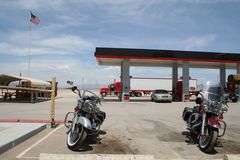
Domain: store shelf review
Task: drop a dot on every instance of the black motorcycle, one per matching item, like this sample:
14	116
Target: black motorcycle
86	119
205	121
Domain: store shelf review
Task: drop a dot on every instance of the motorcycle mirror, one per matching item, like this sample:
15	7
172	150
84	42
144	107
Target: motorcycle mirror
74	88
70	82
196	93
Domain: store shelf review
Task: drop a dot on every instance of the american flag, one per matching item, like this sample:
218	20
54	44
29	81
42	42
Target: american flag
34	19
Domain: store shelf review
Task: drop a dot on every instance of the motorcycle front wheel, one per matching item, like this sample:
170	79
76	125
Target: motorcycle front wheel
75	139
208	141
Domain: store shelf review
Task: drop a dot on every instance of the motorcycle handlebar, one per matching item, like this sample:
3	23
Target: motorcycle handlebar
78	92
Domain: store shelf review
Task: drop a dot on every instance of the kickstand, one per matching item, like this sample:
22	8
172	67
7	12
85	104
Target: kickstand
190	140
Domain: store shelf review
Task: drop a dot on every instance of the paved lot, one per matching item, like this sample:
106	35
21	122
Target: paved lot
138	127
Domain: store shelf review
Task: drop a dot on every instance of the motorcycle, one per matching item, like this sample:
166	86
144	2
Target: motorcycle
86	119
205	121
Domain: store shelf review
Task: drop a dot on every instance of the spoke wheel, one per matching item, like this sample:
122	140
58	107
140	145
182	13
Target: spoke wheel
76	138
208	140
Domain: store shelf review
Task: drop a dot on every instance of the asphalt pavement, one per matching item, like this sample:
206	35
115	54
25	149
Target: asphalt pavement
139	127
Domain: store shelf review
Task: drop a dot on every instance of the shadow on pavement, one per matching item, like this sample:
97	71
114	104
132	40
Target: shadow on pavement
92	140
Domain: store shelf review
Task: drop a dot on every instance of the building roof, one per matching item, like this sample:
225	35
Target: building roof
5	80
165	58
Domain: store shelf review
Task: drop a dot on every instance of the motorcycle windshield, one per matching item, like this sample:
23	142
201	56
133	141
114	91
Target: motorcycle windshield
213	92
214	98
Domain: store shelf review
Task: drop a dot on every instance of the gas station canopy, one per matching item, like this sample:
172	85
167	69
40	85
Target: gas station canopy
165	58
126	57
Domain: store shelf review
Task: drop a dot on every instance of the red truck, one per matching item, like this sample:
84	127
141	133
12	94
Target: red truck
144	86
112	89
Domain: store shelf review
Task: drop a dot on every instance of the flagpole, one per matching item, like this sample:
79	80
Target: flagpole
34	19
29	50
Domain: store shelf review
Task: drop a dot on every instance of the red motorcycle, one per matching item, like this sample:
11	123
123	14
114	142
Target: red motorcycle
205	121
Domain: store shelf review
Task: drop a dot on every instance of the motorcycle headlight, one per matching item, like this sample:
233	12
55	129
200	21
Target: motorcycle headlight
215	107
88	106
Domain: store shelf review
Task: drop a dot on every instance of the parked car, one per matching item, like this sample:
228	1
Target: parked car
161	95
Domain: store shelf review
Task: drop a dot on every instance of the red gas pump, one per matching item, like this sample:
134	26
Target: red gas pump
179	90
231	87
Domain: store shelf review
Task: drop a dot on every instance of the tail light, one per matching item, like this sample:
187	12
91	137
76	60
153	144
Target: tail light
93	116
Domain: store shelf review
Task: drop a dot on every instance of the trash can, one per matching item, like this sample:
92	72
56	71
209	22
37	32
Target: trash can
126	97
187	98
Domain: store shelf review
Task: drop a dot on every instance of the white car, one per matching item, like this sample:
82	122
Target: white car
161	95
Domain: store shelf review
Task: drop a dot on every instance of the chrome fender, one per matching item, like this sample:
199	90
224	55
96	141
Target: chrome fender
85	122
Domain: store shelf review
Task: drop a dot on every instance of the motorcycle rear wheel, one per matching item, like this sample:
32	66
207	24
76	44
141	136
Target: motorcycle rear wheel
75	139
208	141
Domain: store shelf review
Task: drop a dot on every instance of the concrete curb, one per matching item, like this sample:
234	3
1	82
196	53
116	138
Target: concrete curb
13	140
45	156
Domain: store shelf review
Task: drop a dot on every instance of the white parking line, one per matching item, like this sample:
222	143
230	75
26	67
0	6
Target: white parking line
30	157
35	144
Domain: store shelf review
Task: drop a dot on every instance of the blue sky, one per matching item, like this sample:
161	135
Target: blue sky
64	42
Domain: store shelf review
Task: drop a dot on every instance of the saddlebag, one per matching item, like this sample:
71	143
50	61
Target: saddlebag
187	113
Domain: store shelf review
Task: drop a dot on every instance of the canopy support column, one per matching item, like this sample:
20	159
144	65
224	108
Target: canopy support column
185	81
223	75
125	80
174	80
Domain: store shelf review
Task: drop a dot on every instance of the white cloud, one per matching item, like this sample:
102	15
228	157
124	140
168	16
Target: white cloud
65	42
32	4
196	42
210	2
192	42
111	68
63	69
69	20
17	43
12	49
